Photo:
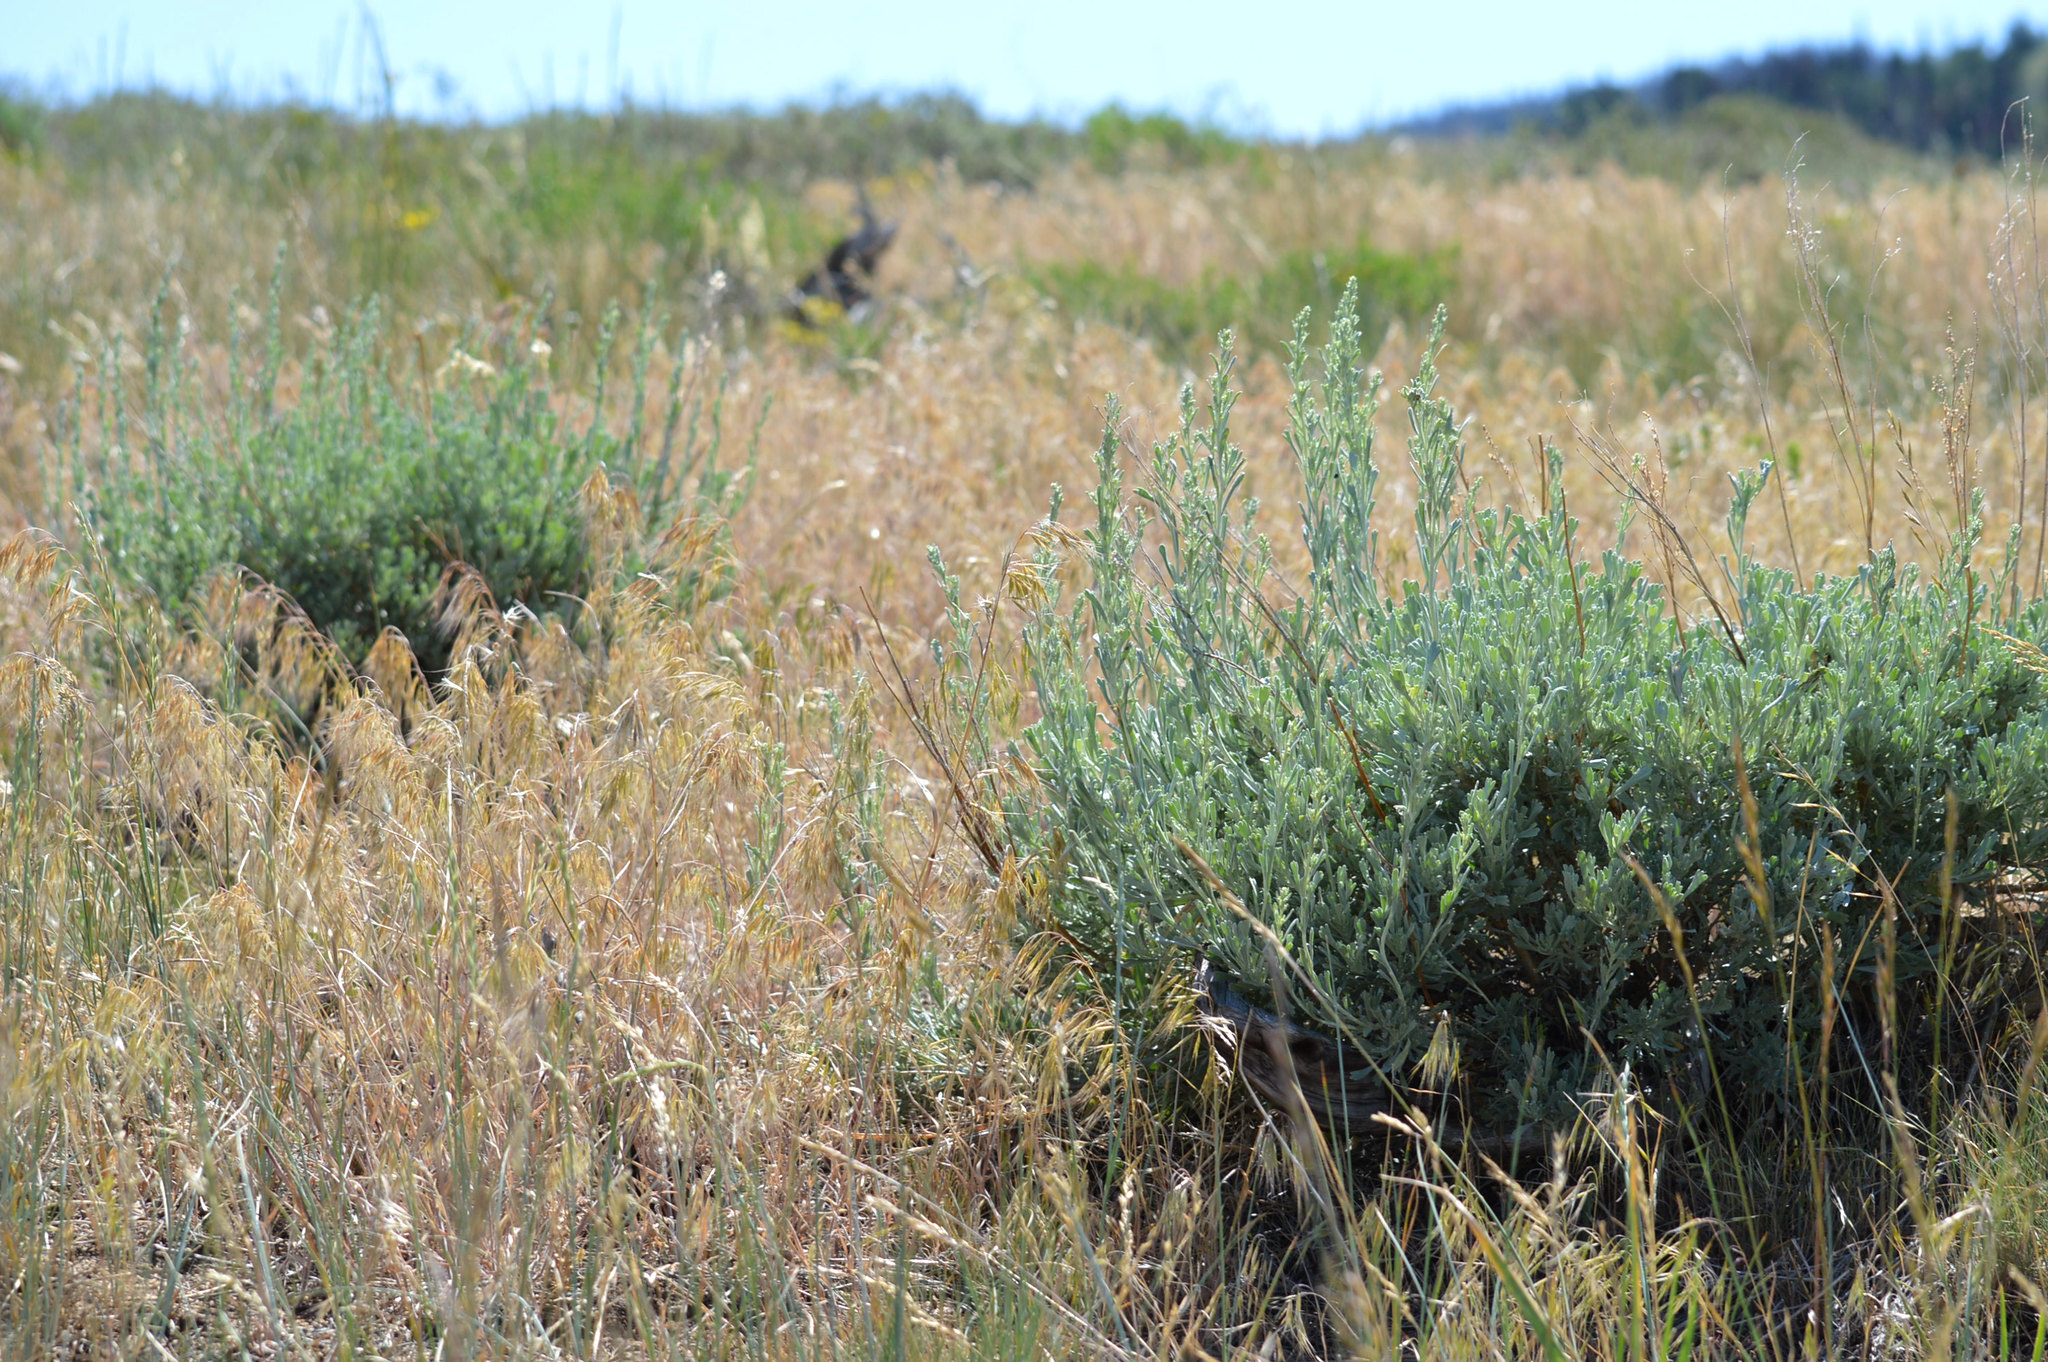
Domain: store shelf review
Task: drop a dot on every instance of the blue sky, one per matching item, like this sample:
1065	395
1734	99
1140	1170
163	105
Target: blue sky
1299	68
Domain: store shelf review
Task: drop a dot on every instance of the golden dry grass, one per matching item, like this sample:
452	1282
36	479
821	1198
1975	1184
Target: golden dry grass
633	995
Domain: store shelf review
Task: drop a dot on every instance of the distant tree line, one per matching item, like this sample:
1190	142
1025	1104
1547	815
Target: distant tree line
1957	101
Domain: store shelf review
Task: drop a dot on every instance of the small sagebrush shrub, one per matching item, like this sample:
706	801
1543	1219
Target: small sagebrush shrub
359	496
1182	319
1438	796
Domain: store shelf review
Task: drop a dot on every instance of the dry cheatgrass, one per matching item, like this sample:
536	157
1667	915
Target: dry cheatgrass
524	1021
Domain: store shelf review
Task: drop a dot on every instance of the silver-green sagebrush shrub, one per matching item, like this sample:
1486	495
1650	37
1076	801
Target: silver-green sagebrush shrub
359	495
1514	805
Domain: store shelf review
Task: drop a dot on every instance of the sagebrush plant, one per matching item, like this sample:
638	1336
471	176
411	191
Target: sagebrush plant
363	494
1515	803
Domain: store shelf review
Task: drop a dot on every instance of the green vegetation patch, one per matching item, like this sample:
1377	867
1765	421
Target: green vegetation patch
355	501
358	496
1117	140
1510	817
21	125
1261	309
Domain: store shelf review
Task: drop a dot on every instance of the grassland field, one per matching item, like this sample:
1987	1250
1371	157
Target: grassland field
630	988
